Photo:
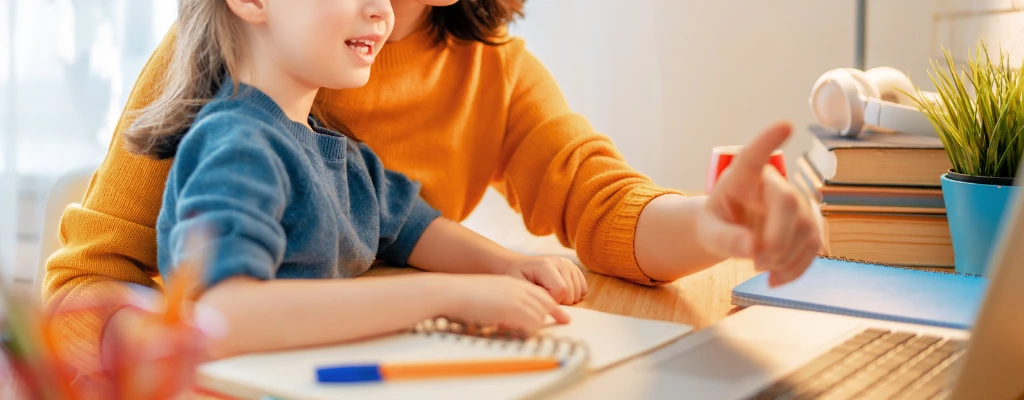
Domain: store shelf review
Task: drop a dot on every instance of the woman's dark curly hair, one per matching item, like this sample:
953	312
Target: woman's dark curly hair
474	20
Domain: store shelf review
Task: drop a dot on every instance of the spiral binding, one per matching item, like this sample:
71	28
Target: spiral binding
489	335
897	266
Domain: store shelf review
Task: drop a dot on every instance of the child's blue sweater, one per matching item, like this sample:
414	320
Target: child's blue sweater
281	201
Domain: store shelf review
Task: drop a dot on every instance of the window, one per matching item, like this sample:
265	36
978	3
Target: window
66	69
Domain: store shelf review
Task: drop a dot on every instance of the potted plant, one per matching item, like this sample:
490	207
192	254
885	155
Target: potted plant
979	115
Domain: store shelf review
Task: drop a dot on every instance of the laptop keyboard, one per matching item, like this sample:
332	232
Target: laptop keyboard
874	364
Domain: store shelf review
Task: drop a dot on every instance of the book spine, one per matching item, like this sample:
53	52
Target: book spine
892	198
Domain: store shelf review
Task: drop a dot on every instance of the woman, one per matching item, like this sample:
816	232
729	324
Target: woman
488	114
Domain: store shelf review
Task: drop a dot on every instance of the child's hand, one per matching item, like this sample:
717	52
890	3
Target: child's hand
560	277
501	300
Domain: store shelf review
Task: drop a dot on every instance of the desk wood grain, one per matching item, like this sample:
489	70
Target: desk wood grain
699	300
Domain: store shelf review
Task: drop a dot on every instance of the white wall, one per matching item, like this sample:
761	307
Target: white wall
902	34
906	34
1000	23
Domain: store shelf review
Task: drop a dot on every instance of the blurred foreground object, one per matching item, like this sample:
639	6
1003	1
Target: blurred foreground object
151	353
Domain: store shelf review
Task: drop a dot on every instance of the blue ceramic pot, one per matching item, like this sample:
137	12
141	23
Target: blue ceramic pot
974	206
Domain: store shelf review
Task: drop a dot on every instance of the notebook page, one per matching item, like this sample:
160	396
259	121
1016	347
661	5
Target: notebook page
615	338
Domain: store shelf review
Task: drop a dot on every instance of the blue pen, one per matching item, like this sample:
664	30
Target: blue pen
353	373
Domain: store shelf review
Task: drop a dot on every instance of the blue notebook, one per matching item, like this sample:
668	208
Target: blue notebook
873	291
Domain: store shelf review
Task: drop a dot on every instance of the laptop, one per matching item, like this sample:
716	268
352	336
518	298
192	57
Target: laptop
776	353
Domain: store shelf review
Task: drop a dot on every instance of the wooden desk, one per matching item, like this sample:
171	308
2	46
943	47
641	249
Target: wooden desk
699	300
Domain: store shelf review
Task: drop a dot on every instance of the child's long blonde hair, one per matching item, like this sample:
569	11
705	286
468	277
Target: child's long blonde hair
206	50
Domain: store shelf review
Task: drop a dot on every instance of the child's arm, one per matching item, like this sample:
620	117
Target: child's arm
447	246
228	183
282	314
412	234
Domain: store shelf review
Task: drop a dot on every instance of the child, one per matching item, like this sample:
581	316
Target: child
289	201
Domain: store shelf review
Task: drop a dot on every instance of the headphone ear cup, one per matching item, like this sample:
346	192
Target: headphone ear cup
891	84
838	103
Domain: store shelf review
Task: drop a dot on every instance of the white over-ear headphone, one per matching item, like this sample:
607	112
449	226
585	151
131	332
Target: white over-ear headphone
850	101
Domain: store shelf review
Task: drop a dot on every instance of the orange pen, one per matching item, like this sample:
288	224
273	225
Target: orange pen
432	369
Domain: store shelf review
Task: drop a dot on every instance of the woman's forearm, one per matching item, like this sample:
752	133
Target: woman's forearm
666	244
319	311
447	246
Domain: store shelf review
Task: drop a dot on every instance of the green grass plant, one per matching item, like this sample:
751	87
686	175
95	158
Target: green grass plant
978	113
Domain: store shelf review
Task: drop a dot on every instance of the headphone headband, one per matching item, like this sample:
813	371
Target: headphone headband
883	115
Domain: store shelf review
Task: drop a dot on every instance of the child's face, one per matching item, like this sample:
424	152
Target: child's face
328	43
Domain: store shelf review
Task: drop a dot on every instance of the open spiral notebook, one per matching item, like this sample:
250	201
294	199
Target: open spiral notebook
593	341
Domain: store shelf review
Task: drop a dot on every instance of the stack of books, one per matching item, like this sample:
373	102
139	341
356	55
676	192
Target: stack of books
880	196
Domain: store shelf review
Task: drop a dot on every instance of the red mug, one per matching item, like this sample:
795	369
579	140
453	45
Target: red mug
722	156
